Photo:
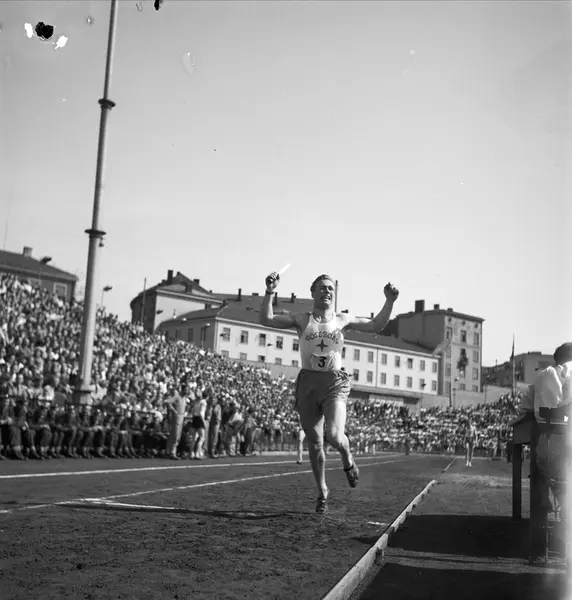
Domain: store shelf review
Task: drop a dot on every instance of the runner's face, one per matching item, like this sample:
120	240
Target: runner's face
324	294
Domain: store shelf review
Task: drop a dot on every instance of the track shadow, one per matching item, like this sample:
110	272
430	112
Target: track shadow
238	515
467	535
399	582
463	556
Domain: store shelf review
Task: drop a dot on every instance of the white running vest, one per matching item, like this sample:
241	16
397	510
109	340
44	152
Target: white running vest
321	345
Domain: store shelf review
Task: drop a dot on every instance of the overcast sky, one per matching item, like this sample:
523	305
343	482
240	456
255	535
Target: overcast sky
426	144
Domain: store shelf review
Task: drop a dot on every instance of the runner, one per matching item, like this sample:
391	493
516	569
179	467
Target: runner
322	388
470	438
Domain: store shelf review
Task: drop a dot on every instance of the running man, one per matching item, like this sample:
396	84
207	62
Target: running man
470	438
198	426
322	387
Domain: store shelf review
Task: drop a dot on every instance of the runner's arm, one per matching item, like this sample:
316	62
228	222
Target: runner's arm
375	325
269	319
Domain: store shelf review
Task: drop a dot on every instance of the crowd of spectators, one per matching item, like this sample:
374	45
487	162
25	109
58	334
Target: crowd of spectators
134	373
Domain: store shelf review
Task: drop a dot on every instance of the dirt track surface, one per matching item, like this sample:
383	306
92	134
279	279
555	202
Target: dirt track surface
461	543
204	534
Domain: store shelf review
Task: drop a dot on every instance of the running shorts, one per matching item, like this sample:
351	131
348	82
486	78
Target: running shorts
316	389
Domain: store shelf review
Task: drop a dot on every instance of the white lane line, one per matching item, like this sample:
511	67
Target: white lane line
170	468
347	585
190	487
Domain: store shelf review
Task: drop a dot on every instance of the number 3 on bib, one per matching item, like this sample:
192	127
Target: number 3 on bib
322	362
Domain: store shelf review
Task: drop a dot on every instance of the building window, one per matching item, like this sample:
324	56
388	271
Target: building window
261	358
177	334
61	290
463	336
344	352
356	374
294	363
190	335
433	386
370	376
476	338
383	379
225	353
475	356
410	382
447	387
278	361
262	340
434	369
396	380
384	359
462	386
226	334
448	333
295	345
447	370
370	357
243	356
410	363
422	384
356	354
398	361
422	365
475	373
279	342
448	352
244	337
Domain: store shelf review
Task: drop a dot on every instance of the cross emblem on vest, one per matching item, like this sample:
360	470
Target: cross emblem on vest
321	345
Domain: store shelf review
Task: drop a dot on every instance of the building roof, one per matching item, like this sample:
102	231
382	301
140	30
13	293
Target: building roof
16	262
181	285
249	314
441	311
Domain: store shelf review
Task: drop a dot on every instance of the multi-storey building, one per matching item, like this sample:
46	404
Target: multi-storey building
463	333
171	297
38	272
381	367
526	368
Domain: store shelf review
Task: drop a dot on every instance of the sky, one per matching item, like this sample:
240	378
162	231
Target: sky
426	144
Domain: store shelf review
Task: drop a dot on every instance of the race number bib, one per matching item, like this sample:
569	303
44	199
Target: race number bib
322	363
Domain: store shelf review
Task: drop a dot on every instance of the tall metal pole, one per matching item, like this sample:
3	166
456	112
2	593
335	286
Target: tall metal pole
82	391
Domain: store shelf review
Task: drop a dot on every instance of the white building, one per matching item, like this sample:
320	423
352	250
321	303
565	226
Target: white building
381	367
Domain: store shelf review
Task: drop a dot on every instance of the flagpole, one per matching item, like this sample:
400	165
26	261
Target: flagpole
82	392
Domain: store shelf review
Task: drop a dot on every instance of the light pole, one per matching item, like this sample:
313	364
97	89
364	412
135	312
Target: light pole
45	260
204	329
82	392
107	288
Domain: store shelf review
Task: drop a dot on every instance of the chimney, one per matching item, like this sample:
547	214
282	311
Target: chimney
27	252
435	307
275	299
239	294
419	306
450	310
169	277
293	298
197	281
371	315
